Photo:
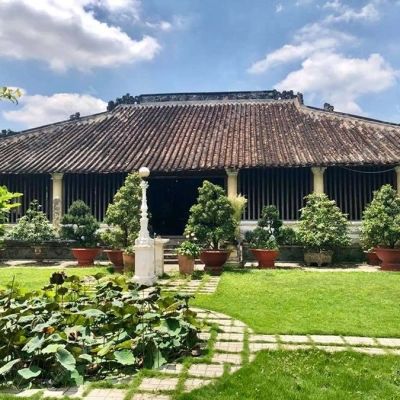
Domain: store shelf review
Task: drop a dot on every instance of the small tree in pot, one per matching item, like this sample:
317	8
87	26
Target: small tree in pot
322	227
123	217
187	252
35	229
381	226
79	225
212	220
262	240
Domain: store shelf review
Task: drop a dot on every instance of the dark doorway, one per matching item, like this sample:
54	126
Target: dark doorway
169	201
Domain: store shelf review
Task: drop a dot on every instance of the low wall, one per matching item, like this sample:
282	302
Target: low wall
352	254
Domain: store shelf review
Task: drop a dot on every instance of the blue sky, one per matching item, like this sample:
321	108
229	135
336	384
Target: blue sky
72	56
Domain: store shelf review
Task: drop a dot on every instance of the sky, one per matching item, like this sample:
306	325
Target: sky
71	56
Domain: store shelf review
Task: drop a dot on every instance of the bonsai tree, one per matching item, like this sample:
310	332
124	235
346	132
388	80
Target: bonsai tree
5	206
381	219
322	226
34	227
212	218
80	225
267	231
123	215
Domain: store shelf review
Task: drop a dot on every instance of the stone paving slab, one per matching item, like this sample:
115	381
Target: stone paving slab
106	394
231	347
331	349
327	339
295	338
195	383
372	351
230	336
262	346
156	384
150	396
171	368
389	342
359	341
262	338
206	370
287	346
227	358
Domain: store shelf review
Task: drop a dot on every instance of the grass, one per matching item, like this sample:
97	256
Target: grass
32	278
305	302
310	375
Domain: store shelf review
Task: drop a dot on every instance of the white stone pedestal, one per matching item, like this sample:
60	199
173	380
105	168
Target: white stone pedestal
159	256
144	264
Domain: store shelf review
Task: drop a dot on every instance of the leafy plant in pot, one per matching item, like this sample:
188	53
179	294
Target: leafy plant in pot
187	252
321	229
79	225
381	227
262	240
123	218
212	220
35	229
6	205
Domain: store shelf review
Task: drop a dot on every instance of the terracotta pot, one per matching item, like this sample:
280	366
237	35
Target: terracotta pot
372	258
265	258
129	262
390	258
186	264
320	258
214	260
115	256
85	257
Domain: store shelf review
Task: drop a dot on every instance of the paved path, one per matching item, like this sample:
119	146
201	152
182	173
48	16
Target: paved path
229	353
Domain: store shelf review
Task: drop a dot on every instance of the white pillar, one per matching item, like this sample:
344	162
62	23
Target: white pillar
232	181
318	179
57	178
397	169
159	256
144	245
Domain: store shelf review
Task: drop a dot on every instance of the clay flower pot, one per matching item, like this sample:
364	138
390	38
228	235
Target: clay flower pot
214	260
115	257
129	262
85	257
372	258
265	258
390	258
186	264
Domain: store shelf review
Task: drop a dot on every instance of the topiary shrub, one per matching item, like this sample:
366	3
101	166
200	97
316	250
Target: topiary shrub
322	226
381	219
123	215
212	218
80	225
34	227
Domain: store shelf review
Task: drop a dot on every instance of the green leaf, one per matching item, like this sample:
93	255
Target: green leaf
76	378
66	359
86	357
29	373
106	349
125	357
7	367
34	344
51	348
92	312
62	291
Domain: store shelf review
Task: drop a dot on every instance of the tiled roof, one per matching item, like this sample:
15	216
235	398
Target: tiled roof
202	135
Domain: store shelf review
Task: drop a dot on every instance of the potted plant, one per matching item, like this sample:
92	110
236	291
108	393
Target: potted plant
112	243
123	218
381	226
262	240
212	220
128	257
79	225
321	229
35	229
187	252
5	206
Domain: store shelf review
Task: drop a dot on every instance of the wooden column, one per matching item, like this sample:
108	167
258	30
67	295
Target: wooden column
232	181
57	198
318	179
397	169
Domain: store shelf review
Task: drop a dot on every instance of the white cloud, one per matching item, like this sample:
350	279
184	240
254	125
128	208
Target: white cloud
341	80
66	34
347	14
39	110
303	2
162	25
279	8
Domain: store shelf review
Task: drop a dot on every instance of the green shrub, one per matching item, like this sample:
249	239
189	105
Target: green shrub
6	205
212	218
80	225
34	226
322	226
381	219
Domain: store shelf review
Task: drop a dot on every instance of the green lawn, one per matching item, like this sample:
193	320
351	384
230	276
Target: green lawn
32	278
308	375
304	302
